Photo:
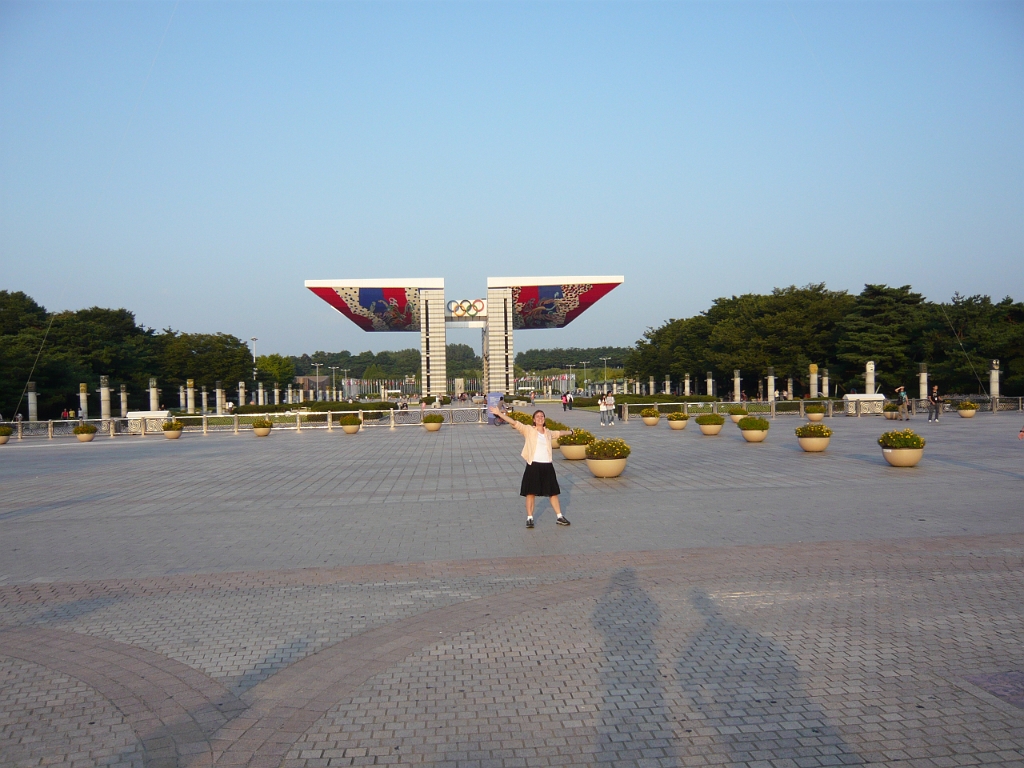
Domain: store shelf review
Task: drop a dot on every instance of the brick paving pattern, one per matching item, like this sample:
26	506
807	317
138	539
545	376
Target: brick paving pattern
314	600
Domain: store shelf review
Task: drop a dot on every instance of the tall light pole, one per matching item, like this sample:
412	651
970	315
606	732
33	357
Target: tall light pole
254	369
344	377
584	364
606	359
568	383
317	382
334	380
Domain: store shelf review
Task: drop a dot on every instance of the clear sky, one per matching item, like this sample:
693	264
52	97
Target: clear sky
197	162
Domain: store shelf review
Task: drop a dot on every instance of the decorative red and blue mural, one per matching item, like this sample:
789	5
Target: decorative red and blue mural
376	309
554	306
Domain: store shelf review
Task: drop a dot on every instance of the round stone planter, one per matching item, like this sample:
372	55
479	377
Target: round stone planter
678	424
967	414
350	429
172	434
737	416
432	427
86	437
813	444
710	429
4	439
903	457
891	415
556	444
815	416
261	431
606	467
754	435
650	421
573	452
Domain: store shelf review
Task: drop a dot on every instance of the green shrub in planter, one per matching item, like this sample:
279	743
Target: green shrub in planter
173	426
349	420
905	438
607	449
578	437
6	431
433	418
890	408
650	413
677	416
814	409
262	423
84	429
710	418
737	410
966	405
813	430
753	423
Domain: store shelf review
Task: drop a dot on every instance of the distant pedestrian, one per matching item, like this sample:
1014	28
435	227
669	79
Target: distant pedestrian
609	402
565	402
539	476
603	410
934	404
64	415
901	395
571	399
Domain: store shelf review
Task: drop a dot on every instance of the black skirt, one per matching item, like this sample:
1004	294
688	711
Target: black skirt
539	480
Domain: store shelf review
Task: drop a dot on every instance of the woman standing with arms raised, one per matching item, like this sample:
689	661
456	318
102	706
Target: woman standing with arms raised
539	477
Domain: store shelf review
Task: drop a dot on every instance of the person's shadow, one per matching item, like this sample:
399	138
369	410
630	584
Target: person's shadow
750	691
635	723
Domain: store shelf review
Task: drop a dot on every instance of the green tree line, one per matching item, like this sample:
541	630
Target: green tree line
790	328
461	360
548	359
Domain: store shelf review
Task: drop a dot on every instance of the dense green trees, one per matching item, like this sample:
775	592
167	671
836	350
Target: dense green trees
462	361
548	359
790	328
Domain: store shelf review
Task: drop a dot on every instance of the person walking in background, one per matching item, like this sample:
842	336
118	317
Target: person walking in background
539	476
609	402
934	404
901	394
571	398
565	402
602	406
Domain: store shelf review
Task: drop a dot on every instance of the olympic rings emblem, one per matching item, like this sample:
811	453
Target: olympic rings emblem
466	307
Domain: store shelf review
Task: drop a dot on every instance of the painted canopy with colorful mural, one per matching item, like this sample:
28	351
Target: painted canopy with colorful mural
553	302
376	305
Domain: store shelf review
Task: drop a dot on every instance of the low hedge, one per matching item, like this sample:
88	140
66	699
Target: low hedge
613	448
84	429
589	402
752	423
318	407
905	438
677	416
813	430
578	437
710	418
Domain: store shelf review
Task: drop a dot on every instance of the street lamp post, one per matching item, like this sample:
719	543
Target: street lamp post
316	383
568	383
606	359
344	378
334	381
254	368
584	364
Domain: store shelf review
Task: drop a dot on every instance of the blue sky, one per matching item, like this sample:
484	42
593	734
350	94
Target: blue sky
197	162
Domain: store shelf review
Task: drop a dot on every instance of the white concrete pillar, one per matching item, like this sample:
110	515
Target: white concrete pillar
824	382
219	397
922	382
104	397
277	393
711	384
993	380
813	370
33	402
651	390
154	395
789	388
262	395
686	385
668	385
241	393
83	400
289	399
736	391
203	402
869	378
771	385
190	398
182	402
124	401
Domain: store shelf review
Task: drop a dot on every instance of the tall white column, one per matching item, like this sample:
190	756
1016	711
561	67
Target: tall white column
124	401
771	385
277	393
993	380
203	401
154	395
499	367
869	378
104	397
182	401
651	390
262	395
33	402
789	388
711	384
219	397
288	395
922	382
686	385
668	384
83	400
824	382
241	393
190	398
813	370
736	386
433	350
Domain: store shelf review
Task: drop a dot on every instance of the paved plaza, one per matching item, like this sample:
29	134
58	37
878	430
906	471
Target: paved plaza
318	599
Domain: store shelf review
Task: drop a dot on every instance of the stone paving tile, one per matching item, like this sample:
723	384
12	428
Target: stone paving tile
47	718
